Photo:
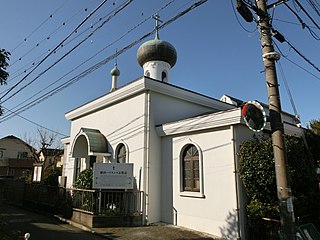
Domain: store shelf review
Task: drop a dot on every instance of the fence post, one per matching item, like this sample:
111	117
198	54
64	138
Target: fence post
99	201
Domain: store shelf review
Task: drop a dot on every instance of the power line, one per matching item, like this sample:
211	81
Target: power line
289	22
41	55
135	27
38	27
314	6
301	55
79	25
100	64
302	8
288	90
34	123
48	37
97	53
303	24
294	63
119	9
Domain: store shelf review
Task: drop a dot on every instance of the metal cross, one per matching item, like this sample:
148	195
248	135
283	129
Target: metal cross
157	18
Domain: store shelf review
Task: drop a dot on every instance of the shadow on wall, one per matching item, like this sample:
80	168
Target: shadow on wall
230	230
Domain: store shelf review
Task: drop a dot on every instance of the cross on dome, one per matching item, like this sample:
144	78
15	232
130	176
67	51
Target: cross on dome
157	18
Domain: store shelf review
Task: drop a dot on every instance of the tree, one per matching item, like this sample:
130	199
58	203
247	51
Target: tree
314	126
4	58
47	155
258	176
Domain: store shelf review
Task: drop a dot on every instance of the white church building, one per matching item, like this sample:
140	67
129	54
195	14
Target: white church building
183	145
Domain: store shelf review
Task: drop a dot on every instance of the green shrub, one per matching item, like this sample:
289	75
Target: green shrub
84	180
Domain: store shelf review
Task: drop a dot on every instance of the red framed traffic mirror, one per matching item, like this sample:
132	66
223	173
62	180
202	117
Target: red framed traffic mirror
254	116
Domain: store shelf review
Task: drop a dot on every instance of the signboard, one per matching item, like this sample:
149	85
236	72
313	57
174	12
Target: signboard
113	176
254	116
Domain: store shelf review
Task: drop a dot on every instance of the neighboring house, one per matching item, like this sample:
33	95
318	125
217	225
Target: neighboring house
183	145
16	158
49	159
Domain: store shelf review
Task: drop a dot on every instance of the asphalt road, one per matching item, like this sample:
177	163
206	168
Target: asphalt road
15	222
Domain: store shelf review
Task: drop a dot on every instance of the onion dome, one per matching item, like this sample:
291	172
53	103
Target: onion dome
157	50
115	71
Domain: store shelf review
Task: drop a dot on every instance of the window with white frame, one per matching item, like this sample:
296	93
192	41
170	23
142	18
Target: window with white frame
191	171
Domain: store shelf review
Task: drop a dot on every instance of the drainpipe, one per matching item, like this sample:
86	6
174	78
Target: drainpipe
236	177
146	170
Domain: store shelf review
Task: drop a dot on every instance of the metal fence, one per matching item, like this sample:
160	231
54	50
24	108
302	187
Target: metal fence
43	194
58	199
107	202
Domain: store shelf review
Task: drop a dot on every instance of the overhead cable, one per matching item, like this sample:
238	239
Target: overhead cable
94	55
100	64
71	50
52	51
303	9
38	27
48	37
294	63
34	123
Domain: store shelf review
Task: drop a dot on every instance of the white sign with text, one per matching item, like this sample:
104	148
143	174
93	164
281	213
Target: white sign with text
113	176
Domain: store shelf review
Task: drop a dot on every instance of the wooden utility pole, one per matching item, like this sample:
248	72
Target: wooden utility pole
269	57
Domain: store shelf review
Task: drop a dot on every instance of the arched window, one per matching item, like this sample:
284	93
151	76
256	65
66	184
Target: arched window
147	73
164	77
190	169
121	153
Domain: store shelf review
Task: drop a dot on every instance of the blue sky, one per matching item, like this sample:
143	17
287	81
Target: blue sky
216	55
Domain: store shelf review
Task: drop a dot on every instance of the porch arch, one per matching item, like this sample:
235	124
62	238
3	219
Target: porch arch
89	142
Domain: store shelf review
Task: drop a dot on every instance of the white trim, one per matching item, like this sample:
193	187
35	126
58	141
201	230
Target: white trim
99	154
142	85
213	120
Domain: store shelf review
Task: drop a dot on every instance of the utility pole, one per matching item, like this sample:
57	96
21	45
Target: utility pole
269	57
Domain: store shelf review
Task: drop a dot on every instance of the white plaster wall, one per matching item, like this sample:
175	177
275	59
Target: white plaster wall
167	207
169	108
215	212
68	165
163	108
123	122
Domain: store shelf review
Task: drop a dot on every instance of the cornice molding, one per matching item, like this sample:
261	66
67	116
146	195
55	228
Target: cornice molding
208	121
142	85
